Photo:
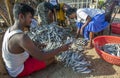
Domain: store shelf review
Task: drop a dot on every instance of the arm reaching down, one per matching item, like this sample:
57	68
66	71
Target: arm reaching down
27	44
85	24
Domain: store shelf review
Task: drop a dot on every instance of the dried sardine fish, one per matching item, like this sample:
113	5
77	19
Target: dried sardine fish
75	60
76	45
52	46
112	48
82	42
48	33
74	57
54	36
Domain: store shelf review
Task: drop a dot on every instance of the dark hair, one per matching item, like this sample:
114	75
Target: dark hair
70	11
49	6
22	8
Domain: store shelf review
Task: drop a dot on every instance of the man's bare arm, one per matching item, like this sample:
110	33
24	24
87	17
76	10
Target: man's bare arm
27	44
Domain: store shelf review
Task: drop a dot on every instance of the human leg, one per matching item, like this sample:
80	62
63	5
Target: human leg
50	16
54	15
90	44
77	33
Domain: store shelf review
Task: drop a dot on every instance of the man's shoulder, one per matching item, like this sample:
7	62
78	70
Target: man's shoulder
21	36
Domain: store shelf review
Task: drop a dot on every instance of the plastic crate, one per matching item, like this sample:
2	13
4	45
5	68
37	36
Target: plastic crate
115	28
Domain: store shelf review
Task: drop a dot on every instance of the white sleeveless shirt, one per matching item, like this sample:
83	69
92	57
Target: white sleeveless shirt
14	62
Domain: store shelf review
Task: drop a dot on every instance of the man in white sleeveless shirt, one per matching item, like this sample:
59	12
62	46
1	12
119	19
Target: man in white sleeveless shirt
20	55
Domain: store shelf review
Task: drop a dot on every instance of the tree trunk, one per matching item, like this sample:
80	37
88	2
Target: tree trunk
9	6
4	15
6	9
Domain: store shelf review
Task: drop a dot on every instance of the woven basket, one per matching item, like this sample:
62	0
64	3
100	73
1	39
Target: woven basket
101	41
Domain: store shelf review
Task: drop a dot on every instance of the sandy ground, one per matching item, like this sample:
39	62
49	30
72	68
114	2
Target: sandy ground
101	68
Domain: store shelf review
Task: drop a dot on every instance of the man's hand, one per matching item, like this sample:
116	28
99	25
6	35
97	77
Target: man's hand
41	46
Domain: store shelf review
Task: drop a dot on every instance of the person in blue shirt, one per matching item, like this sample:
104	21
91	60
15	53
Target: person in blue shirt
88	22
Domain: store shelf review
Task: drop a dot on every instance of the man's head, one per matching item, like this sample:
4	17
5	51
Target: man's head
23	13
71	13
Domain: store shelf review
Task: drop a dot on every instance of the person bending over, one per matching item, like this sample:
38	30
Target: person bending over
89	21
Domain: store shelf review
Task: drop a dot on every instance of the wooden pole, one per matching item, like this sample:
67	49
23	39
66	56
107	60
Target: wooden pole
4	15
9	7
4	18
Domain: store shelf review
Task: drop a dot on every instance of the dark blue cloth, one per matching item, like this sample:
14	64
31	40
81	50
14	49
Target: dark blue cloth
49	6
97	24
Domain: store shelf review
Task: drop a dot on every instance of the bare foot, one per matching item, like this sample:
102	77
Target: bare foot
89	46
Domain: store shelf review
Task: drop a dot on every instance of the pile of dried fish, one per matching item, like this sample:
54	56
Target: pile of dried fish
54	36
75	60
112	48
52	46
48	33
51	35
74	57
